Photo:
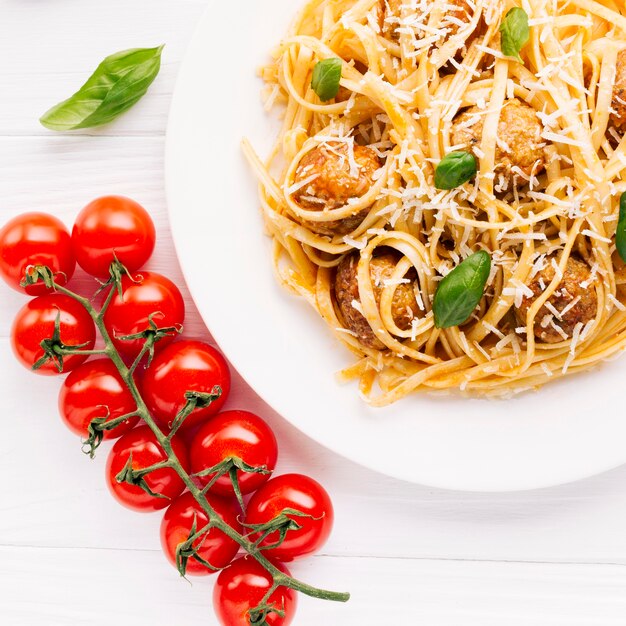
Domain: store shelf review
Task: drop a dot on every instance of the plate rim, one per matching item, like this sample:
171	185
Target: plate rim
172	149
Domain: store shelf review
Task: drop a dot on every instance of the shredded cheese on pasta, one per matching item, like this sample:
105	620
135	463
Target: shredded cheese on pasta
411	68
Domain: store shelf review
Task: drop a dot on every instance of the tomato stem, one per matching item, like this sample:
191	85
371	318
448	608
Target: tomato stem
165	441
98	426
70	351
105	304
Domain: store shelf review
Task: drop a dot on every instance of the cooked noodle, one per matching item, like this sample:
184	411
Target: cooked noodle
411	68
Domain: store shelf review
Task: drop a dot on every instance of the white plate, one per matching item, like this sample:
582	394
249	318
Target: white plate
566	431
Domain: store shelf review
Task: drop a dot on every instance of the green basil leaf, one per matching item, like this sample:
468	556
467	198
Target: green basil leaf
455	169
116	85
460	291
326	77
515	32
620	233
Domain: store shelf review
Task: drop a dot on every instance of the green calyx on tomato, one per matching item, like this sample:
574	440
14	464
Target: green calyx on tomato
149	302
190	549
181	368
239	595
233	452
54	350
261	613
52	334
231	466
37	275
191	543
280	525
32	241
138	457
196	400
277	500
137	477
96	404
151	335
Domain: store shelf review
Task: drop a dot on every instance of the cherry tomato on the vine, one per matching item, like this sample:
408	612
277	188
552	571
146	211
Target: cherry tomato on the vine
301	493
234	434
241	586
36	322
109	228
146	294
214	547
35	239
146	451
95	389
184	366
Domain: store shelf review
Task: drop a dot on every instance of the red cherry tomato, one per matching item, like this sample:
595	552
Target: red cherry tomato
234	434
241	586
215	547
146	451
35	239
91	390
184	366
146	294
36	321
112	227
293	491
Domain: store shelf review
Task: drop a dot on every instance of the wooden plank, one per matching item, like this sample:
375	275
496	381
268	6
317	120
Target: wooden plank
62	538
57	497
41	64
70	586
580	522
60	175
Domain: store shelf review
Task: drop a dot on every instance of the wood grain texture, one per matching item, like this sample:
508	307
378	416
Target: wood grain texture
375	515
49	48
395	592
410	555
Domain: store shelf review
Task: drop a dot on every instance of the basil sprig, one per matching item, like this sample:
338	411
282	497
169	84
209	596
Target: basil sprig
620	233
116	85
326	77
455	169
460	291
515	32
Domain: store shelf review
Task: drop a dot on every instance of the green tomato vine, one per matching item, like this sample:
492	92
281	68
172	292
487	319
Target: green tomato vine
54	349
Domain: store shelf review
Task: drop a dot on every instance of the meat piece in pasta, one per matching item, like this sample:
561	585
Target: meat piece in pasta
338	172
519	145
574	301
404	307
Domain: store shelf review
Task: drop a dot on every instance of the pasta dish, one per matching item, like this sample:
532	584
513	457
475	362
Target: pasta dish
446	187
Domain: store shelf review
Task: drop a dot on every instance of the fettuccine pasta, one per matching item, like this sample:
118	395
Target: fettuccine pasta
361	231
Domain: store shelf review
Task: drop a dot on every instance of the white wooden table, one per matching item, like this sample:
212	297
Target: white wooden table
69	555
